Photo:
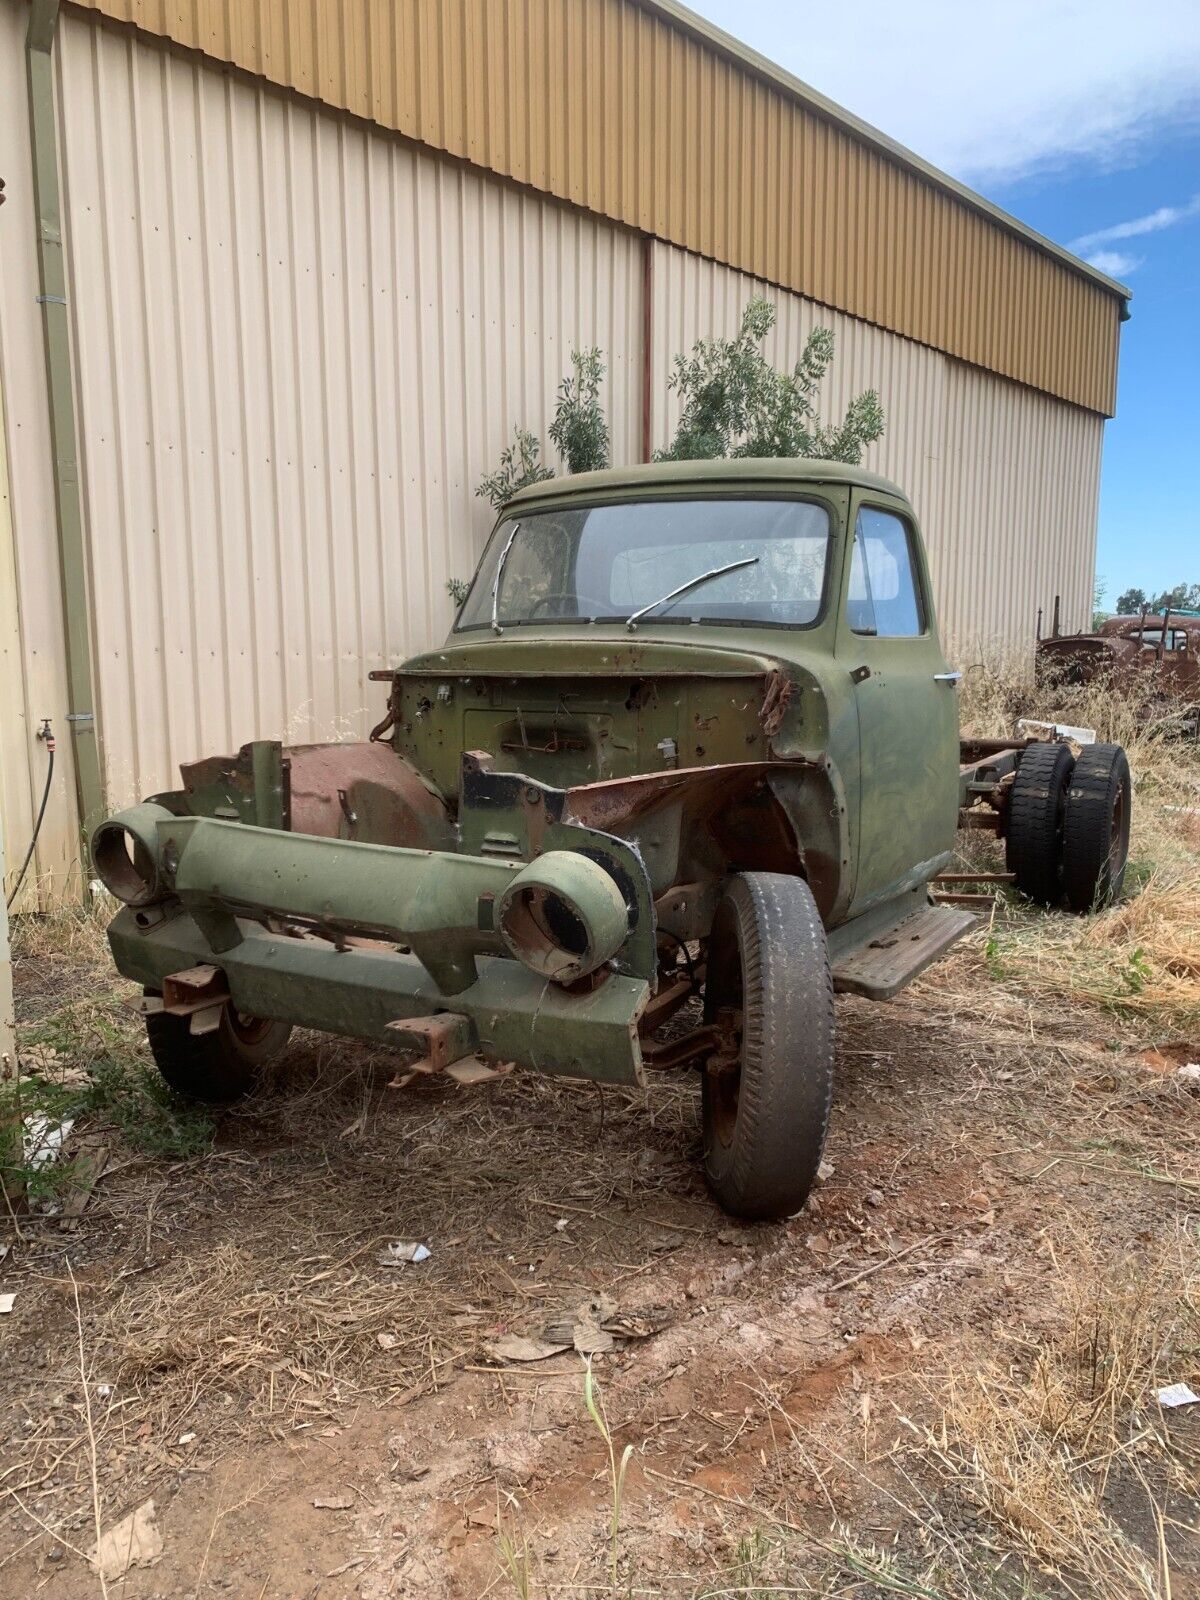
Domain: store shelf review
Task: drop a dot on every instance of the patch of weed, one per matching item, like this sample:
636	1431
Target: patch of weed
129	1094
86	1063
1136	971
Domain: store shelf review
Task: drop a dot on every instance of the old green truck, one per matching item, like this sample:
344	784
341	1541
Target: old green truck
687	764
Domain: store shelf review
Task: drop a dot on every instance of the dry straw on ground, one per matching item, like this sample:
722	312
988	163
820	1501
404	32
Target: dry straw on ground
234	1293
1141	959
1057	1436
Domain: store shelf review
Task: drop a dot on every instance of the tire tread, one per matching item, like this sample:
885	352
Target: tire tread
1092	878
1034	840
206	1066
786	1085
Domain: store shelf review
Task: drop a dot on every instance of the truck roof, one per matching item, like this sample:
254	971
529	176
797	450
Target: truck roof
745	469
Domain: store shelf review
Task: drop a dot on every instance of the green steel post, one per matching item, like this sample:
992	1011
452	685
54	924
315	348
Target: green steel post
43	21
266	764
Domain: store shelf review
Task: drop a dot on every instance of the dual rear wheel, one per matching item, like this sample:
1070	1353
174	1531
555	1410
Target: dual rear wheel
765	1114
1068	825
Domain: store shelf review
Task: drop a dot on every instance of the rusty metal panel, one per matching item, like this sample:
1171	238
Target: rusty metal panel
1005	480
33	681
299	344
646	114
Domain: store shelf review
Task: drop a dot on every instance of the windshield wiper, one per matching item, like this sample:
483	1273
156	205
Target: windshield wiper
496	628
692	583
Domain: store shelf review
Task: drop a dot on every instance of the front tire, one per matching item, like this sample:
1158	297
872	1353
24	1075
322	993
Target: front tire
217	1067
765	1117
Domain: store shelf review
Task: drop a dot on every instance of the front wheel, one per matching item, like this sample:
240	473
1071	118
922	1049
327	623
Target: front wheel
766	1112
219	1066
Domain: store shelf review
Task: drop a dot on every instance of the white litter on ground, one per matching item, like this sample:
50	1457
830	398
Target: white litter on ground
403	1253
134	1542
44	1140
1177	1394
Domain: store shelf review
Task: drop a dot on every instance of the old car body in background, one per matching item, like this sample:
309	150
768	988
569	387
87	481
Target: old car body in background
1157	655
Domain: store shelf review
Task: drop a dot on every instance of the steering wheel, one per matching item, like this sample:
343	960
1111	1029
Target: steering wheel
577	601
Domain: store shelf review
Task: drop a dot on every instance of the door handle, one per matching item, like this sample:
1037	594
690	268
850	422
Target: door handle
947	677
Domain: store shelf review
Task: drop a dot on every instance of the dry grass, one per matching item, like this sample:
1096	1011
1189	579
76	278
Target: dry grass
1063	1446
241	1293
1140	960
236	1292
71	932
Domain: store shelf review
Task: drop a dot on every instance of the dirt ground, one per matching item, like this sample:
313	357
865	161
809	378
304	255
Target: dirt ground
938	1380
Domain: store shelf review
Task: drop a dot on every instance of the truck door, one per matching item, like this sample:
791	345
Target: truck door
906	699
1179	674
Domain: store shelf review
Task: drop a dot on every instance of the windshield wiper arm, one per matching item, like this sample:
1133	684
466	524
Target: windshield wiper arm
496	628
692	583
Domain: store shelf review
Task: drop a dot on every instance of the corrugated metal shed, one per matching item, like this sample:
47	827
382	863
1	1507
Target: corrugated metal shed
32	652
299	340
280	480
641	112
1003	479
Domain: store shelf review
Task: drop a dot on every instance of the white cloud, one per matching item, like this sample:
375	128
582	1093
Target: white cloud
1164	217
1114	263
990	92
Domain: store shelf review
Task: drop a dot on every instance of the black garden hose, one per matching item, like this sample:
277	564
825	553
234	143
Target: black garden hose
46	735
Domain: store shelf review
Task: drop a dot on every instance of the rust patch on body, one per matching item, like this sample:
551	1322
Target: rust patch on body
776	700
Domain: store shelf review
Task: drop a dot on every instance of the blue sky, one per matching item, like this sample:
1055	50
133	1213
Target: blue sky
1082	119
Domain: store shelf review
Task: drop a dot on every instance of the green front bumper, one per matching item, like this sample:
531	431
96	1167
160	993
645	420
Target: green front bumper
516	1014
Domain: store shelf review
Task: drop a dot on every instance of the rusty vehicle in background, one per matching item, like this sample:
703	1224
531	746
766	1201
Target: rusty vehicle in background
692	738
1154	655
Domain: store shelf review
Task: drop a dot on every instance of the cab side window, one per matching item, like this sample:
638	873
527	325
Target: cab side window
884	597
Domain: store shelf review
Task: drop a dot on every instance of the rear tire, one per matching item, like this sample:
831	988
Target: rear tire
1036	816
1096	834
765	1121
218	1066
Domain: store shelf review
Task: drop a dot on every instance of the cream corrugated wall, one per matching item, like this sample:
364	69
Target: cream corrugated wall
299	345
32	661
1004	480
644	113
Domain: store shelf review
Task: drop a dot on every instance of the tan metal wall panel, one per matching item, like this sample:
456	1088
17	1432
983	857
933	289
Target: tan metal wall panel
1021	499
636	114
1004	480
299	343
32	660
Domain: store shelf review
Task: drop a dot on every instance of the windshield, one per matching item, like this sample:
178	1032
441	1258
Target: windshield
605	563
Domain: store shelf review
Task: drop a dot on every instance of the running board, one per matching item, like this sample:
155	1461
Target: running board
894	957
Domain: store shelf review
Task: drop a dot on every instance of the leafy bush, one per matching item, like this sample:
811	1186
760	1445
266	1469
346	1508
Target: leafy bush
579	431
734	403
520	465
